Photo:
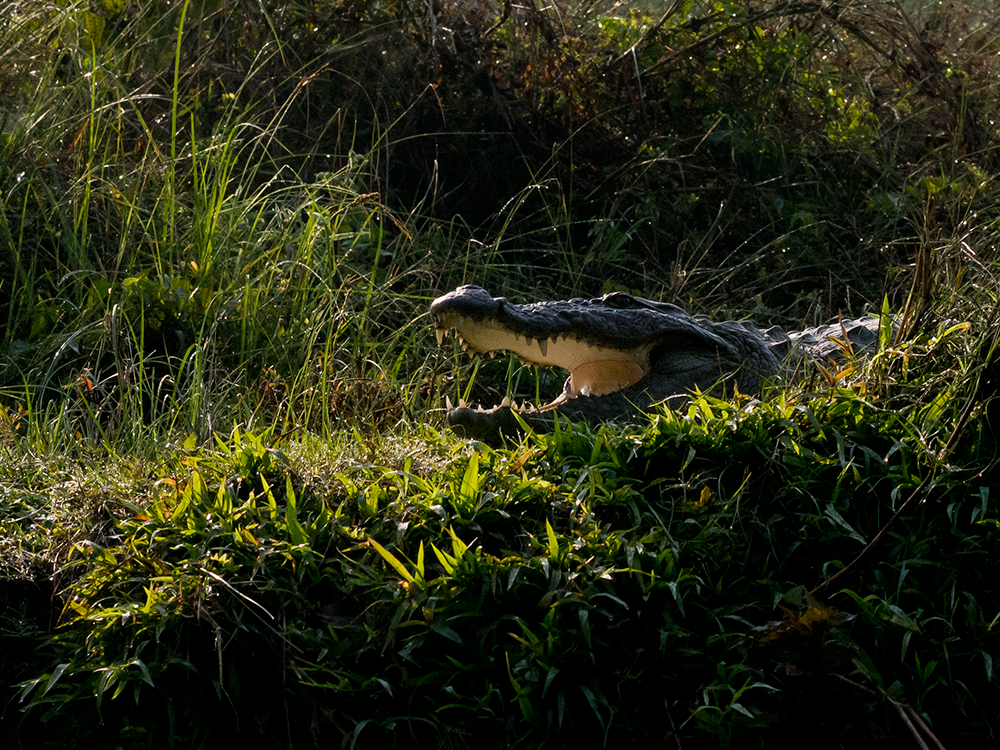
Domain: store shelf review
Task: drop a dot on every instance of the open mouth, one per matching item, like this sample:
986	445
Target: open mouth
593	370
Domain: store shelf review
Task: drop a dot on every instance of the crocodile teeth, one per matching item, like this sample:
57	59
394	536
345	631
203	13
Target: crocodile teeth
440	332
543	346
447	403
463	404
506	401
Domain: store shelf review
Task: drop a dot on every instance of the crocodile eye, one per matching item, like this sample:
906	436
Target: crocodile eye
619	301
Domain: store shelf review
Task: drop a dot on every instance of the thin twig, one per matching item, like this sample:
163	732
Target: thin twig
905	710
909	724
878	537
920	722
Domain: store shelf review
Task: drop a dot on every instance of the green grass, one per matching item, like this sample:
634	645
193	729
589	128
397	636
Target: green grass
228	509
597	585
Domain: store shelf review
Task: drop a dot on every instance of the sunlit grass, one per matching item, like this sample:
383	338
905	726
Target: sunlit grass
226	508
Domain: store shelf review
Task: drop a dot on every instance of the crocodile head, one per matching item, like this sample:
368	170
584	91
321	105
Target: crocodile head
623	353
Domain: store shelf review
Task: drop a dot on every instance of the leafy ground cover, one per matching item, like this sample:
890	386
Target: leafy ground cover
227	512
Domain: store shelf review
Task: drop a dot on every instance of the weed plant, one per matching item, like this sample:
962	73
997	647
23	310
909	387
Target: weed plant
226	512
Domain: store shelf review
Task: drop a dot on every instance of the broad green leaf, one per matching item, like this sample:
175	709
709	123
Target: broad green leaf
553	541
272	504
551	675
469	491
393	561
885	332
458	547
446	560
420	560
93	24
54	677
295	531
838	519
592	700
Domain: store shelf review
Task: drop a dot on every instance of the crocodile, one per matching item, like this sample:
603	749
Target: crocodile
626	354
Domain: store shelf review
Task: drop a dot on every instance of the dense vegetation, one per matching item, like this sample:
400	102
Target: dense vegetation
227	513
